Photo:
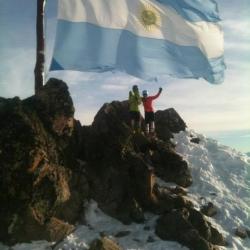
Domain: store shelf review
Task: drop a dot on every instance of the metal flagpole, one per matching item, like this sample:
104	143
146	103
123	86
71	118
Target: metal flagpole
40	46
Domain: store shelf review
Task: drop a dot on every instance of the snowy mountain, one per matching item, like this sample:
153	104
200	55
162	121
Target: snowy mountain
220	174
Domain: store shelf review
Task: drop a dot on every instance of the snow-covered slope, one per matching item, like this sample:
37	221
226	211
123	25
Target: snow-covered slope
220	174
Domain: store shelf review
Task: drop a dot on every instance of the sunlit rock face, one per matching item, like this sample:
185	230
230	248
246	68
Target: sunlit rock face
40	192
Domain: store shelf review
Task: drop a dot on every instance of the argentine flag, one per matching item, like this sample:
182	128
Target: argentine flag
145	38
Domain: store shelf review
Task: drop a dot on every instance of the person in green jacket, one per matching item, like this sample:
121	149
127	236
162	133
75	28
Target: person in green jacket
134	102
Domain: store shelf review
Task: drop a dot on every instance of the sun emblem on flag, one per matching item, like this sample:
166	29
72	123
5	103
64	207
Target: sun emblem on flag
149	17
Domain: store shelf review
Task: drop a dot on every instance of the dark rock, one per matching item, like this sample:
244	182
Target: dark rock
179	190
54	107
216	237
188	227
150	239
136	240
114	163
194	241
116	158
102	234
38	162
195	140
104	243
241	232
146	228
166	200
168	122
209	209
213	193
58	229
199	223
170	166
136	213
172	225
122	234
72	208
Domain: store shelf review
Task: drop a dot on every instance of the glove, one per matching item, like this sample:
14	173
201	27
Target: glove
160	89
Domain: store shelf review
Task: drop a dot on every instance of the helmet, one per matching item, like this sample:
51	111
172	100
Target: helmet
135	87
145	93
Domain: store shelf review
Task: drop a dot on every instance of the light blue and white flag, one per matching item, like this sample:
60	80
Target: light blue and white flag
145	38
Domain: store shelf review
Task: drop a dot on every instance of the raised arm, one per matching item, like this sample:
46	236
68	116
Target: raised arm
157	95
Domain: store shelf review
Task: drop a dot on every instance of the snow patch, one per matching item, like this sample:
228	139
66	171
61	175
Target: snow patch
98	223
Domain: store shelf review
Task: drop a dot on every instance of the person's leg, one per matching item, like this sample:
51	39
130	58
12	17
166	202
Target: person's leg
147	123
147	129
138	122
132	120
152	123
132	124
138	127
152	127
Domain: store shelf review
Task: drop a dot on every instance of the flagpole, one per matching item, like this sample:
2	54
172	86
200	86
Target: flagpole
40	46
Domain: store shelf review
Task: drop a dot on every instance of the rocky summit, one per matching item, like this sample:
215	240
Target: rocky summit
50	165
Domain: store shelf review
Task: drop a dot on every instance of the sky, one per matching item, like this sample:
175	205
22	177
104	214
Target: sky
219	111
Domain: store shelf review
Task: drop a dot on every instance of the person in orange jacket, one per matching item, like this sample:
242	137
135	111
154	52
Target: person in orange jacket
149	110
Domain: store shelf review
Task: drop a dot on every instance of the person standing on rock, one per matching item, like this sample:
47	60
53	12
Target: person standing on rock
149	111
134	102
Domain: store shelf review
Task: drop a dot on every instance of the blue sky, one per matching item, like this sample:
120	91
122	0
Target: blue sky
220	111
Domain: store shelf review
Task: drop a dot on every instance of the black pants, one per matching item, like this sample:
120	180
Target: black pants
149	117
135	115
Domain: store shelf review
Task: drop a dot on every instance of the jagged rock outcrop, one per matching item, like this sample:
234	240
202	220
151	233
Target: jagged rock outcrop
168	199
242	232
104	243
121	164
195	140
50	165
170	166
37	166
190	228
168	122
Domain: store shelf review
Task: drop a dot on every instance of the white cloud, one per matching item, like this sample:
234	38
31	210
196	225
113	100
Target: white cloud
207	107
239	64
114	87
245	136
71	77
16	75
241	46
237	27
